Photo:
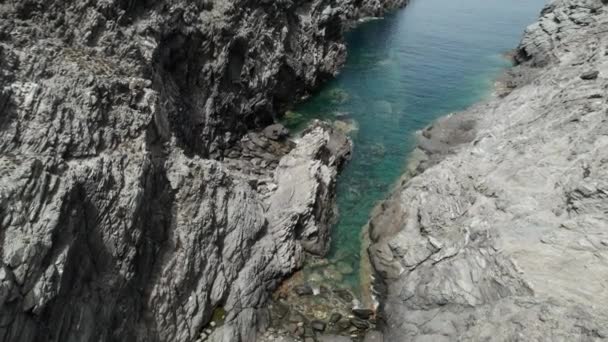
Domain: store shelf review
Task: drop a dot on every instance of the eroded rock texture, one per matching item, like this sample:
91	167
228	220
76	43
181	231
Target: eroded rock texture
506	237
121	218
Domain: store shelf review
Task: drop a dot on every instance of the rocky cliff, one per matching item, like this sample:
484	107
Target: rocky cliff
500	230
139	198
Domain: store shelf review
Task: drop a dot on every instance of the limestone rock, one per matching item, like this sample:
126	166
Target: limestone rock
590	75
125	213
276	132
499	238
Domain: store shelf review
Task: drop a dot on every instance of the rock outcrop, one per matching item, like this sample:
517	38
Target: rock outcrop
504	237
136	201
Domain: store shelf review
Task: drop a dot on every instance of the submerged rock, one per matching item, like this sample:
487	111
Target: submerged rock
346	126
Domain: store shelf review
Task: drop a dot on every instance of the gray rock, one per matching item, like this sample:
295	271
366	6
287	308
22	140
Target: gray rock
359	323
363	313
335	318
276	132
303	290
318	325
304	183
501	238
590	75
344	325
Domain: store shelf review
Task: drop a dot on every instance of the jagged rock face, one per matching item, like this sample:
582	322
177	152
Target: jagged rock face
118	218
506	238
135	244
218	67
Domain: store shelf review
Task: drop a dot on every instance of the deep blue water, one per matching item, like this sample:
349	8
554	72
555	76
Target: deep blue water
427	60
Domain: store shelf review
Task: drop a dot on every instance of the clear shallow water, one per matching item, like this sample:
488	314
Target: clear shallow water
430	59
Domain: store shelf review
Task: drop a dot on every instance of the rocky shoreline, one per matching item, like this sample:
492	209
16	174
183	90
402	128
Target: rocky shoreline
145	192
498	230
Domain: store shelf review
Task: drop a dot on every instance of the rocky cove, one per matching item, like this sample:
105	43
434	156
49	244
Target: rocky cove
147	194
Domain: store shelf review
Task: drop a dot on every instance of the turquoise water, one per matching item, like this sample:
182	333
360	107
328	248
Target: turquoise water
427	60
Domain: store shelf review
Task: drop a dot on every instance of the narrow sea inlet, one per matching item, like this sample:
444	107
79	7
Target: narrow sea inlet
404	71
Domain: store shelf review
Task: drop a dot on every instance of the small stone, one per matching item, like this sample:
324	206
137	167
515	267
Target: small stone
276	132
335	318
363	313
590	75
324	290
212	324
308	332
344	325
359	323
234	154
258	140
318	325
303	290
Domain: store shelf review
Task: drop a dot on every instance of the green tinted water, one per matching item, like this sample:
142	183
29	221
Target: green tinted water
430	59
